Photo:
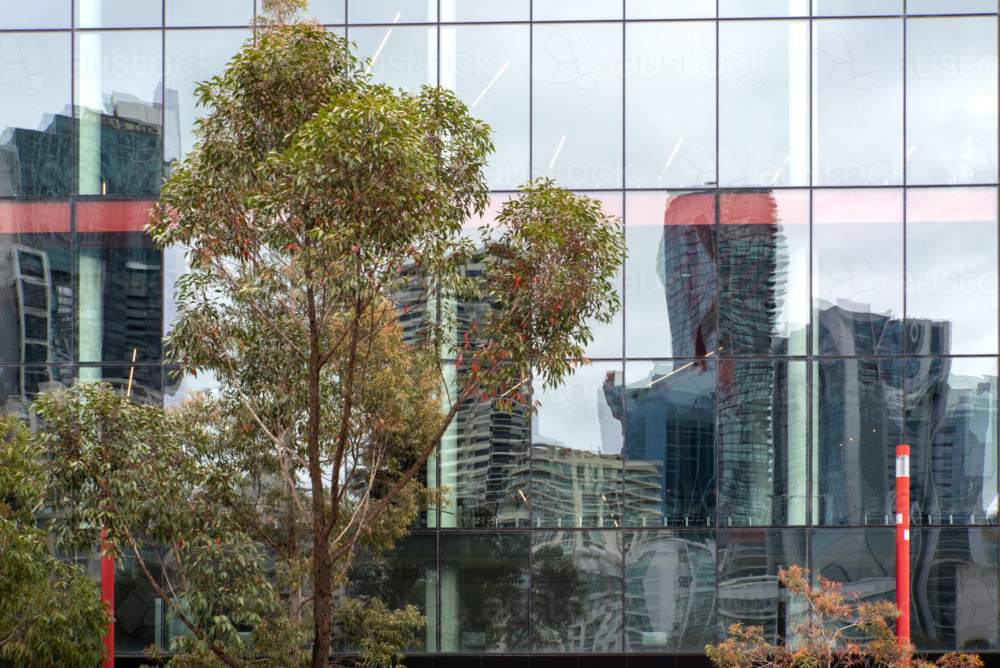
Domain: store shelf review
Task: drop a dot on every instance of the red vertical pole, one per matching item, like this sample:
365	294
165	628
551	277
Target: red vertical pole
903	541
108	597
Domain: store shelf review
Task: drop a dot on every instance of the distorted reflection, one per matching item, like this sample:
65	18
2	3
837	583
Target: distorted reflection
669	590
863	560
577	462
749	562
576	592
954	589
669	410
763	453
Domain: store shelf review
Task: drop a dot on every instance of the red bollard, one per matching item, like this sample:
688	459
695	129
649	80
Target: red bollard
108	597
903	541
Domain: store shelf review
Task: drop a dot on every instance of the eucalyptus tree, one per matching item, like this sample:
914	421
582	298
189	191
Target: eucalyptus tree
313	201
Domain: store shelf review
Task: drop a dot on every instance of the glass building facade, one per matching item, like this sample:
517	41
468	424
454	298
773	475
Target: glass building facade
809	195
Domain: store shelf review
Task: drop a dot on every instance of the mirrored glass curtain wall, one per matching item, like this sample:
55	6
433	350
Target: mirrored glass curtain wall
809	195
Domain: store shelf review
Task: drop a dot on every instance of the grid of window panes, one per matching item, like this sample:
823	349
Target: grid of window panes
809	197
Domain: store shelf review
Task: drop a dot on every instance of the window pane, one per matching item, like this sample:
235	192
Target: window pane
218	13
119	94
950	7
951	100
763	273
327	11
749	562
143	383
951	271
863	560
577	105
576	450
763	8
485	10
193	56
405	575
669	443
857	424
402	56
118	14
763	103
488	67
954	597
119	284
670	275
763	457
576	592
20	385
608	337
858	102
36	130
36	284
38	15
580	10
392	11
670	104
856	7
484	603
670	590
857	272
669	9
951	426
484	460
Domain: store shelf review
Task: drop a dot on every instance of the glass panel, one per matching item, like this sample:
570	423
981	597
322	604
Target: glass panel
36	129
863	560
119	98
608	338
576	450
950	7
669	443
118	14
327	11
391	11
669	590
142	383
951	100
764	103
488	67
576	592
193	56
951	271
577	105
19	385
669	104
219	13
749	594
36	283
763	8
856	7
951	426
485	10
857	272
484	592
954	597
484	460
580	10
119	284
670	275
763	273
857	424
139	612
669	9
763	456
405	575
402	56
858	103
38	15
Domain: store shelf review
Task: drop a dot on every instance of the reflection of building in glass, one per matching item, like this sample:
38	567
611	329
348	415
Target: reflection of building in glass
39	163
669	592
